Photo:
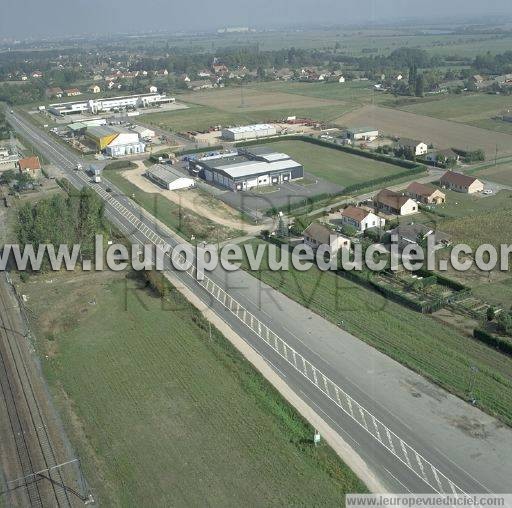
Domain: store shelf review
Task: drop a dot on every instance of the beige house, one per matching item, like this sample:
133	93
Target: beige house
317	234
391	202
94	89
461	183
425	194
360	218
417	147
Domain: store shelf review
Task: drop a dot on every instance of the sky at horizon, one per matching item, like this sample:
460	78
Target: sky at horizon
24	19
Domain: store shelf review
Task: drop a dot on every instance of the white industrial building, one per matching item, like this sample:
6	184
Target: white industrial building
143	132
256	131
125	143
248	169
95	106
362	134
169	178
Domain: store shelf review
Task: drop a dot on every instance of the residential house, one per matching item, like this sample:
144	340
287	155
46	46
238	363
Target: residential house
94	89
426	194
37	74
461	183
30	166
414	234
391	202
360	218
317	234
54	92
220	69
341	79
205	73
201	84
441	156
417	147
152	89
72	92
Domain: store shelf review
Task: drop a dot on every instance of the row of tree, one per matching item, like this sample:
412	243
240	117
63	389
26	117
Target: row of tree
63	220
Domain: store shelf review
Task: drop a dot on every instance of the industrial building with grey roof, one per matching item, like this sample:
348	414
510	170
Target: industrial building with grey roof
248	168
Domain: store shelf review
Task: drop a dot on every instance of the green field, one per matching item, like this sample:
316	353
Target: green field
418	341
163	416
341	168
179	219
200	118
357	92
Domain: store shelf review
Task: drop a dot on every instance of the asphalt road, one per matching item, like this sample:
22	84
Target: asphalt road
412	435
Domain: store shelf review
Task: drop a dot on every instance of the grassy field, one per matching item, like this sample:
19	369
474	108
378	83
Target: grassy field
163	416
200	118
335	166
418	341
179	219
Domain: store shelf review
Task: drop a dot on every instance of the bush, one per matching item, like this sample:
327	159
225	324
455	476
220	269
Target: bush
120	164
491	340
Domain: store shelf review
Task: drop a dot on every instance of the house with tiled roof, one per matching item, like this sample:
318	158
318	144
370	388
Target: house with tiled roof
461	183
360	218
391	202
316	235
31	166
424	193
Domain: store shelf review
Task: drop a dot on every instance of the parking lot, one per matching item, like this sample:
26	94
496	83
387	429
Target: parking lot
256	203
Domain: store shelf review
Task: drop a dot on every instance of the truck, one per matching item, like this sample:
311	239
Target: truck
97	179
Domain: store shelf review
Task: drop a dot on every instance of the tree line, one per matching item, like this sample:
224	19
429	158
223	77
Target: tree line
69	219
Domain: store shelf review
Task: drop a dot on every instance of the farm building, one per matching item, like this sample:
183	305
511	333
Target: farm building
391	202
360	218
256	131
461	183
362	134
248	168
425	193
317	234
168	177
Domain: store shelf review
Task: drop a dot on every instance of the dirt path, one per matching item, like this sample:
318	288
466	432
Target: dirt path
194	200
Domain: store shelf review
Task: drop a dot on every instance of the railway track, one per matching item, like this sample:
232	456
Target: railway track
29	432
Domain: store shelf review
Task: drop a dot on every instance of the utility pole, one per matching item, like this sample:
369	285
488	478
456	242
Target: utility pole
472	381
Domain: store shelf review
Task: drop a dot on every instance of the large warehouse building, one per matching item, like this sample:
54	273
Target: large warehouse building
115	141
168	177
248	169
261	130
95	106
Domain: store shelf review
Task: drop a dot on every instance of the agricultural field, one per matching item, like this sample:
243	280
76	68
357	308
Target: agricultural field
419	341
230	99
440	133
335	166
163	416
462	108
500	173
356	92
200	118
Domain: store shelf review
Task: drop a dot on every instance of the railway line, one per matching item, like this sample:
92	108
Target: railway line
34	449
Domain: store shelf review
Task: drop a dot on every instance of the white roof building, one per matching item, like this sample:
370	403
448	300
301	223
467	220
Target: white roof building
143	132
249	132
169	178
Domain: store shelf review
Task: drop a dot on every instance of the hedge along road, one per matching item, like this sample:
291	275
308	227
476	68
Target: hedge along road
379	384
